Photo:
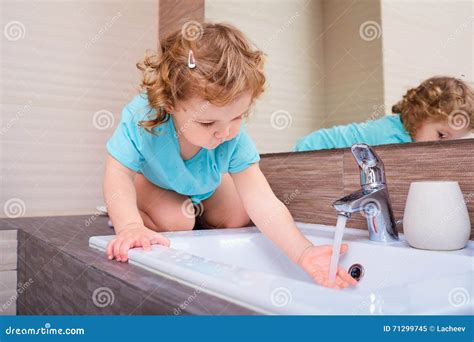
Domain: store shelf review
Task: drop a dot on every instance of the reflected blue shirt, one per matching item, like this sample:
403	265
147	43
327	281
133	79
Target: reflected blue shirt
386	130
158	157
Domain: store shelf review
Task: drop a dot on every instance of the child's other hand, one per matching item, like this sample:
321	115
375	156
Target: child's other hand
140	236
315	260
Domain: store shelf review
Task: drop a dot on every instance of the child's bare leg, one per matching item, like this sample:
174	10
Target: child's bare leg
224	209
161	210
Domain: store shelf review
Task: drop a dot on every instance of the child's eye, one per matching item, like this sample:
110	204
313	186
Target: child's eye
206	124
441	135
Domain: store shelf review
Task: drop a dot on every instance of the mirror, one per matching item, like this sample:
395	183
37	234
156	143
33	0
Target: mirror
350	64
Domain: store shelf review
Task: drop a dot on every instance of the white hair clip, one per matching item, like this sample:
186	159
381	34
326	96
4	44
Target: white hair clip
191	60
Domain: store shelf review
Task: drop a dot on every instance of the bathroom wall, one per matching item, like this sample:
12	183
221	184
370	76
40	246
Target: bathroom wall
353	67
425	38
67	68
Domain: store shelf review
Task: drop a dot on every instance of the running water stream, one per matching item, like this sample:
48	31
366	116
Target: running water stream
341	223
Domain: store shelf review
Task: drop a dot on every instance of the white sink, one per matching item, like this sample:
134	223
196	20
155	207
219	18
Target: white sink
243	266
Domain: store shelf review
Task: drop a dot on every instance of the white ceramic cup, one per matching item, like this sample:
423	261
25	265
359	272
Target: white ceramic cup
436	216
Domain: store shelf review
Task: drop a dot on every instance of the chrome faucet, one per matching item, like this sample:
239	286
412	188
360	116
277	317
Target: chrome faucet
372	200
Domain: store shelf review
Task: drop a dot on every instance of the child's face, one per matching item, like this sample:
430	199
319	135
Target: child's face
439	130
206	125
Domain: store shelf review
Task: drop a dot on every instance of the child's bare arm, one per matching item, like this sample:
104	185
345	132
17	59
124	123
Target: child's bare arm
272	217
120	195
121	200
268	213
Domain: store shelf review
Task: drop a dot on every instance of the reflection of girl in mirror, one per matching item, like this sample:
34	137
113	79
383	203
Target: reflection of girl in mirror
181	153
439	108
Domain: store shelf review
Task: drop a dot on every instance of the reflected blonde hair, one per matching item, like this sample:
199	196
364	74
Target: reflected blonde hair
227	66
439	98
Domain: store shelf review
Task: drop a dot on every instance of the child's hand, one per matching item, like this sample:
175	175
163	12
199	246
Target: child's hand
132	237
315	260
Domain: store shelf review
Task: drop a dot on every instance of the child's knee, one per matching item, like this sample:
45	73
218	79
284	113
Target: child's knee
164	222
236	222
147	221
183	222
232	221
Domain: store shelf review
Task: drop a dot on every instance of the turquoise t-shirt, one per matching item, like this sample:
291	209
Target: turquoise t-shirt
158	157
386	130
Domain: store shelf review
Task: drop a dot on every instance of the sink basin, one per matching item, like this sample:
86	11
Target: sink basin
243	266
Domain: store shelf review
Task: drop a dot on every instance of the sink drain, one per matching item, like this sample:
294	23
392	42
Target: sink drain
356	271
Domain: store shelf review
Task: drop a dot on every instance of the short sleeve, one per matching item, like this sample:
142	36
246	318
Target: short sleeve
124	145
386	130
330	138
315	141
244	154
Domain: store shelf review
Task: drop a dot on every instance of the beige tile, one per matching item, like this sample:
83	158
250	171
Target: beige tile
8	280
8	254
8	303
8	235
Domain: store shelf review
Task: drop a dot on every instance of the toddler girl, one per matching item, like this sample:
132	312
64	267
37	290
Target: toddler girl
181	144
439	108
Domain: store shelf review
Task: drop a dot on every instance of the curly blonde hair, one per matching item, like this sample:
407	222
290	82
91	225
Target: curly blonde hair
227	65
438	98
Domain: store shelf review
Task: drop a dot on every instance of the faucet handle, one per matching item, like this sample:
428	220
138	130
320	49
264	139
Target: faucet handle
372	171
